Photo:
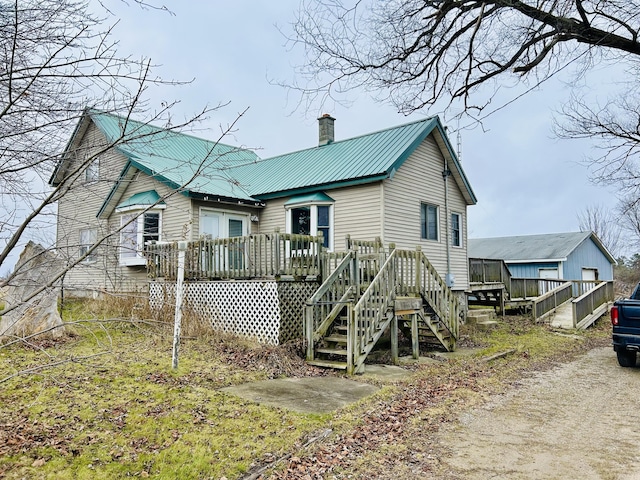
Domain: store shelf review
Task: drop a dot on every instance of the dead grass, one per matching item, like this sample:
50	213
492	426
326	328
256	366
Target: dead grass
110	406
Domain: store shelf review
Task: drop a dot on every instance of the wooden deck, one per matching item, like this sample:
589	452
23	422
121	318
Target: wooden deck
354	302
492	285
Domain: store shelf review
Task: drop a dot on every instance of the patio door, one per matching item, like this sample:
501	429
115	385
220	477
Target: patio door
215	224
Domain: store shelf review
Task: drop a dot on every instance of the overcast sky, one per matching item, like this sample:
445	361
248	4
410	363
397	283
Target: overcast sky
526	181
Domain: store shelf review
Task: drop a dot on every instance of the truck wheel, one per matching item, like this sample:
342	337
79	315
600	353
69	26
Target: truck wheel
626	358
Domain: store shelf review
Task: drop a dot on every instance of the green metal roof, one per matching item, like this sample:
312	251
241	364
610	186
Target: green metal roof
203	168
362	159
195	164
142	199
316	197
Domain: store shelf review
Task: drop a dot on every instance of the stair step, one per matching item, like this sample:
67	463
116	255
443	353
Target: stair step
336	338
328	364
332	351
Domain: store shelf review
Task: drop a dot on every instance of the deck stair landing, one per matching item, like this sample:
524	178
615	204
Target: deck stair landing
403	291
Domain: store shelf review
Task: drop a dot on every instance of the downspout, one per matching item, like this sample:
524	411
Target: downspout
449	279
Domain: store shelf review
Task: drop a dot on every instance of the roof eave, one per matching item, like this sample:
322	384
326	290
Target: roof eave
537	260
323	186
78	131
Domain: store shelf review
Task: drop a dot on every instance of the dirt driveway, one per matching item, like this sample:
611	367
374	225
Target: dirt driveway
580	420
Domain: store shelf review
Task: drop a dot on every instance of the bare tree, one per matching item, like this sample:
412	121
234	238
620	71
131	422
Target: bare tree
56	60
629	214
604	223
418	54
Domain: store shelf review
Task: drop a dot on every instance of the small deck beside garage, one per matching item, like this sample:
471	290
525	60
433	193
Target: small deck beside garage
491	284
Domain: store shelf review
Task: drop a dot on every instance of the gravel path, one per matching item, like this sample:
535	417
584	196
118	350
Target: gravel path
578	421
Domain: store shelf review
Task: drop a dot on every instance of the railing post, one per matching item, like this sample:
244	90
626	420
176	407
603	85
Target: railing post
394	340
319	249
355	274
308	326
417	270
351	340
276	251
347	242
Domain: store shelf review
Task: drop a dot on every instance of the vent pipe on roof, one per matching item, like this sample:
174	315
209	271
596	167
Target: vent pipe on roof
325	129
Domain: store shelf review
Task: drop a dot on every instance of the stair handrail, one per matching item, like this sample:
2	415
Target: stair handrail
368	313
438	295
325	301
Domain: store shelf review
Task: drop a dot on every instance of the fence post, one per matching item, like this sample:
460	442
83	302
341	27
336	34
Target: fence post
182	248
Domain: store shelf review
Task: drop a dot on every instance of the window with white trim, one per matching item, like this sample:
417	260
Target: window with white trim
137	231
311	219
428	221
88	238
456	230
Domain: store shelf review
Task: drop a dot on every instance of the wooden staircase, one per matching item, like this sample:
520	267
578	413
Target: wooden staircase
346	318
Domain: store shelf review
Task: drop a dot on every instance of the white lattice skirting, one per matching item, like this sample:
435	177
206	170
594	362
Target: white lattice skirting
267	311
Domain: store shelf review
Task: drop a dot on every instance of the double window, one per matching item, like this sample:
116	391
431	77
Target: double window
137	229
312	219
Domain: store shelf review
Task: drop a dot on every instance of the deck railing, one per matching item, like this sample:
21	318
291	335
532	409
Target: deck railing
325	305
528	288
593	300
482	270
370	313
416	275
253	256
552	299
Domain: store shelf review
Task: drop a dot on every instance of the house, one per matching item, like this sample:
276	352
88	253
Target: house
403	185
566	256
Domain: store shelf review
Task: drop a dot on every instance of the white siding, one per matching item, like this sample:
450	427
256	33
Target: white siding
419	180
78	208
356	212
237	209
273	216
175	225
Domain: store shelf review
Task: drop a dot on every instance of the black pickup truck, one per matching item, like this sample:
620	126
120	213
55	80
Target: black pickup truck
625	318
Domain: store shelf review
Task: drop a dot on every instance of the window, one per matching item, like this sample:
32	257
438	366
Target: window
429	221
88	238
92	172
324	225
137	230
312	220
456	237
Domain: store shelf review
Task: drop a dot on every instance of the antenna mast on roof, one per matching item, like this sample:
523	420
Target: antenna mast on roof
459	146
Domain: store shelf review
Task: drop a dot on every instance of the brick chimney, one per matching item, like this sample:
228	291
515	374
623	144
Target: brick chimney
325	129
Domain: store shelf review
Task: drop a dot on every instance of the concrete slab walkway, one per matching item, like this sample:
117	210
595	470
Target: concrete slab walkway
316	394
304	395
